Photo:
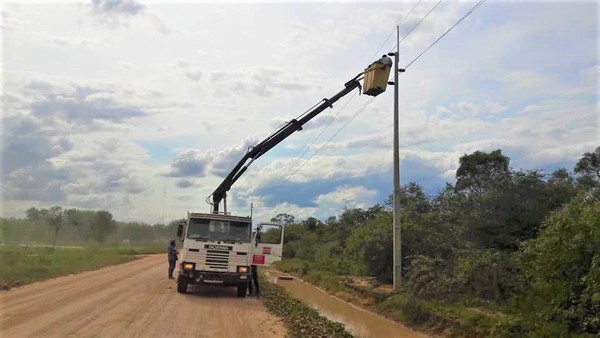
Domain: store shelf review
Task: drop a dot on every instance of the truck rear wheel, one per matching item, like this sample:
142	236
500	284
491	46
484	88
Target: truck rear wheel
242	289
182	284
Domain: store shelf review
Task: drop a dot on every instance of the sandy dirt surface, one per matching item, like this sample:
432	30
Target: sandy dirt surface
131	300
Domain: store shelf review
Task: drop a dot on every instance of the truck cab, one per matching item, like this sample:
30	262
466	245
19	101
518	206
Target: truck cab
218	249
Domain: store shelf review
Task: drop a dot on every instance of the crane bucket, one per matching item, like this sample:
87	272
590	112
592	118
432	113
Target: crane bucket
376	79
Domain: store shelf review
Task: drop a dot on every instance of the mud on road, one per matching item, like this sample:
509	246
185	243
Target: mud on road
131	300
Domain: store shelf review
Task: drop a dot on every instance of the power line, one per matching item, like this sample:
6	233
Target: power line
333	136
406	16
383	43
417	25
374	55
394	30
327	142
449	29
299	117
305	147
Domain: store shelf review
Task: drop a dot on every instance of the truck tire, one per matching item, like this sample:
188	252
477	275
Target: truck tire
182	284
242	289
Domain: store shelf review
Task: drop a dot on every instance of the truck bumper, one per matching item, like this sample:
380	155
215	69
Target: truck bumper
216	278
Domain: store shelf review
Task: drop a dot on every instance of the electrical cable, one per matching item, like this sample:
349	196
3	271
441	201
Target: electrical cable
305	147
417	25
333	136
277	209
274	131
382	44
475	7
299	117
449	29
393	30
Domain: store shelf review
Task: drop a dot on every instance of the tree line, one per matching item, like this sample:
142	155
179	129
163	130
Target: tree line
520	240
69	226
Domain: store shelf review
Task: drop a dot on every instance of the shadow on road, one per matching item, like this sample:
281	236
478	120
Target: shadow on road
208	291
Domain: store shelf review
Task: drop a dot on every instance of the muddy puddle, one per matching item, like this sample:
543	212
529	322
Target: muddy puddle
359	322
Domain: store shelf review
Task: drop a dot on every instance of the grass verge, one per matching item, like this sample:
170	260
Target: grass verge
24	265
300	319
434	317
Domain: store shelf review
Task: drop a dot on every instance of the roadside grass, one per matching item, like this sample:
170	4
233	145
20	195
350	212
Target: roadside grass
300	319
20	265
438	318
141	250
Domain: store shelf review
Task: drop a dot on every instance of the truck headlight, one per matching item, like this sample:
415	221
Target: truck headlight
188	266
242	269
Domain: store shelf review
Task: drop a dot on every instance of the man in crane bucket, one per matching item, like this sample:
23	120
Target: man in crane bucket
376	76
385	60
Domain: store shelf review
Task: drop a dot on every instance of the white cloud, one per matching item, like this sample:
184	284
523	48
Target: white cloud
9	21
117	7
190	162
94	118
356	197
224	160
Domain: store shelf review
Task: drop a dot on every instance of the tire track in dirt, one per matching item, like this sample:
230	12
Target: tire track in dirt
134	299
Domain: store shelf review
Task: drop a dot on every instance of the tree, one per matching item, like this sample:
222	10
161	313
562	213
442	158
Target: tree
562	267
561	188
102	226
505	215
56	217
311	224
284	219
588	167
34	214
351	219
481	171
371	247
413	201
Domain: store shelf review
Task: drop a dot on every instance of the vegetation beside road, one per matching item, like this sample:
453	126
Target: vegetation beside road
501	252
300	319
23	265
58	241
76	227
424	315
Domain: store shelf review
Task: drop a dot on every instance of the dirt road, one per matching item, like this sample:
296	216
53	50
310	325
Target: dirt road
131	300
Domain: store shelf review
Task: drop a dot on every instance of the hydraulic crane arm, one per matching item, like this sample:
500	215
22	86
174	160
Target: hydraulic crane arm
274	139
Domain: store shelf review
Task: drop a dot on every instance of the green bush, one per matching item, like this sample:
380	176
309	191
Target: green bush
562	267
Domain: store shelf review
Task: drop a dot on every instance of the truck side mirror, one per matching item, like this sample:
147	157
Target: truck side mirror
180	230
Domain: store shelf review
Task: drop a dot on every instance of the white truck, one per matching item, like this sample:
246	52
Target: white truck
219	249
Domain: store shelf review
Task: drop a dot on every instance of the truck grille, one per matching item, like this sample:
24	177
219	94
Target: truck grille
217	259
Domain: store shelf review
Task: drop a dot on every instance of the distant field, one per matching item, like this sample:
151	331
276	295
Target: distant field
21	265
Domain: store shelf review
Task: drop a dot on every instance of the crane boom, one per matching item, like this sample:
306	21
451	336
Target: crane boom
274	139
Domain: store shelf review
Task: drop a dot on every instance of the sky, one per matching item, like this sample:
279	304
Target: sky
142	107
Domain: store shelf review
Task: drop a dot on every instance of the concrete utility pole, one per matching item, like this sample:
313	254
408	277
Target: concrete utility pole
397	228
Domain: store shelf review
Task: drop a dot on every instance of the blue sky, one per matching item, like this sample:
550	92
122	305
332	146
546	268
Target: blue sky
108	104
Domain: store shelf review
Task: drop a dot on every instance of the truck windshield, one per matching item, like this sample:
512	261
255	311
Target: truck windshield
218	230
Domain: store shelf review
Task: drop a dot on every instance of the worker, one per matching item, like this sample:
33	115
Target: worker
253	285
385	60
172	256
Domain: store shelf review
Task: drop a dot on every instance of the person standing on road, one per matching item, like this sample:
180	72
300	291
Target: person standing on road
172	256
254	281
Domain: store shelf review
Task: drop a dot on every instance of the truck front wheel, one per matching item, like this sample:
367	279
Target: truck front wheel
182	284
242	289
